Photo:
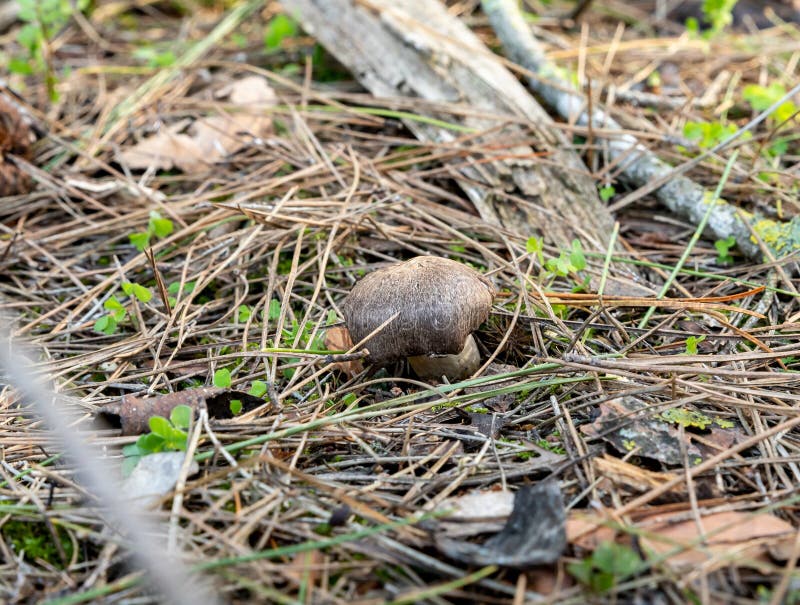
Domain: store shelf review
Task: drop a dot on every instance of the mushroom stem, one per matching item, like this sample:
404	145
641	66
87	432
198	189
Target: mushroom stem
453	367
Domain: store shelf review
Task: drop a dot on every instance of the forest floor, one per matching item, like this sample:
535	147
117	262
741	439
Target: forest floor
672	433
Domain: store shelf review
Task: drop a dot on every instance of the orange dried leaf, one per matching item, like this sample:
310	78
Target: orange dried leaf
679	541
730	537
338	338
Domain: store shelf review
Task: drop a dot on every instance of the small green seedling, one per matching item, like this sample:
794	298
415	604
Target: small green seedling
153	57
304	340
157	226
258	388
117	313
273	310
723	247
607	566
718	14
141	293
535	245
43	20
279	28
243	313
762	98
175	287
607	192
222	378
568	262
164	436
709	134
108	323
691	344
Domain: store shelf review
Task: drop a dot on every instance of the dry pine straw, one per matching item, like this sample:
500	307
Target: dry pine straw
298	219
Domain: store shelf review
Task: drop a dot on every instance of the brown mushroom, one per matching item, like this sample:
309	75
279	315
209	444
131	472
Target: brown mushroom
438	303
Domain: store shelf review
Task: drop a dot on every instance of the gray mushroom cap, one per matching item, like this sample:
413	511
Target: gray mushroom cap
439	303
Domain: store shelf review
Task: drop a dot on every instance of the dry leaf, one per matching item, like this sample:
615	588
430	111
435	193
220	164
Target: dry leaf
161	150
488	425
732	538
627	424
132	413
475	513
209	139
586	530
338	338
499	403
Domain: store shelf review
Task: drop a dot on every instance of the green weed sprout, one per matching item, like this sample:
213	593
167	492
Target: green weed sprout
164	436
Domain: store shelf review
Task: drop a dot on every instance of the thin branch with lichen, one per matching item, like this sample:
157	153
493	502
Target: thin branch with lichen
639	167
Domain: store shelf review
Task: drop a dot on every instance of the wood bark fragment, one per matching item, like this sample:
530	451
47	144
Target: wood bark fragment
534	185
133	413
640	167
15	141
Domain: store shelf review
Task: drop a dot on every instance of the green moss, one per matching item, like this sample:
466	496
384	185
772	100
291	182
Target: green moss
686	418
36	541
550	447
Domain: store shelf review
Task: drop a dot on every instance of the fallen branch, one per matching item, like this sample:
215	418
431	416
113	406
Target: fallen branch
640	167
520	173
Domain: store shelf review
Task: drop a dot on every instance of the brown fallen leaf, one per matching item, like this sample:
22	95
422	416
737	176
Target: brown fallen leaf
731	538
587	530
195	146
489	425
15	140
133	413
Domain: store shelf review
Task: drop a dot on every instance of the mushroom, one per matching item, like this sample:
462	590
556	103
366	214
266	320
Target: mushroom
438	302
